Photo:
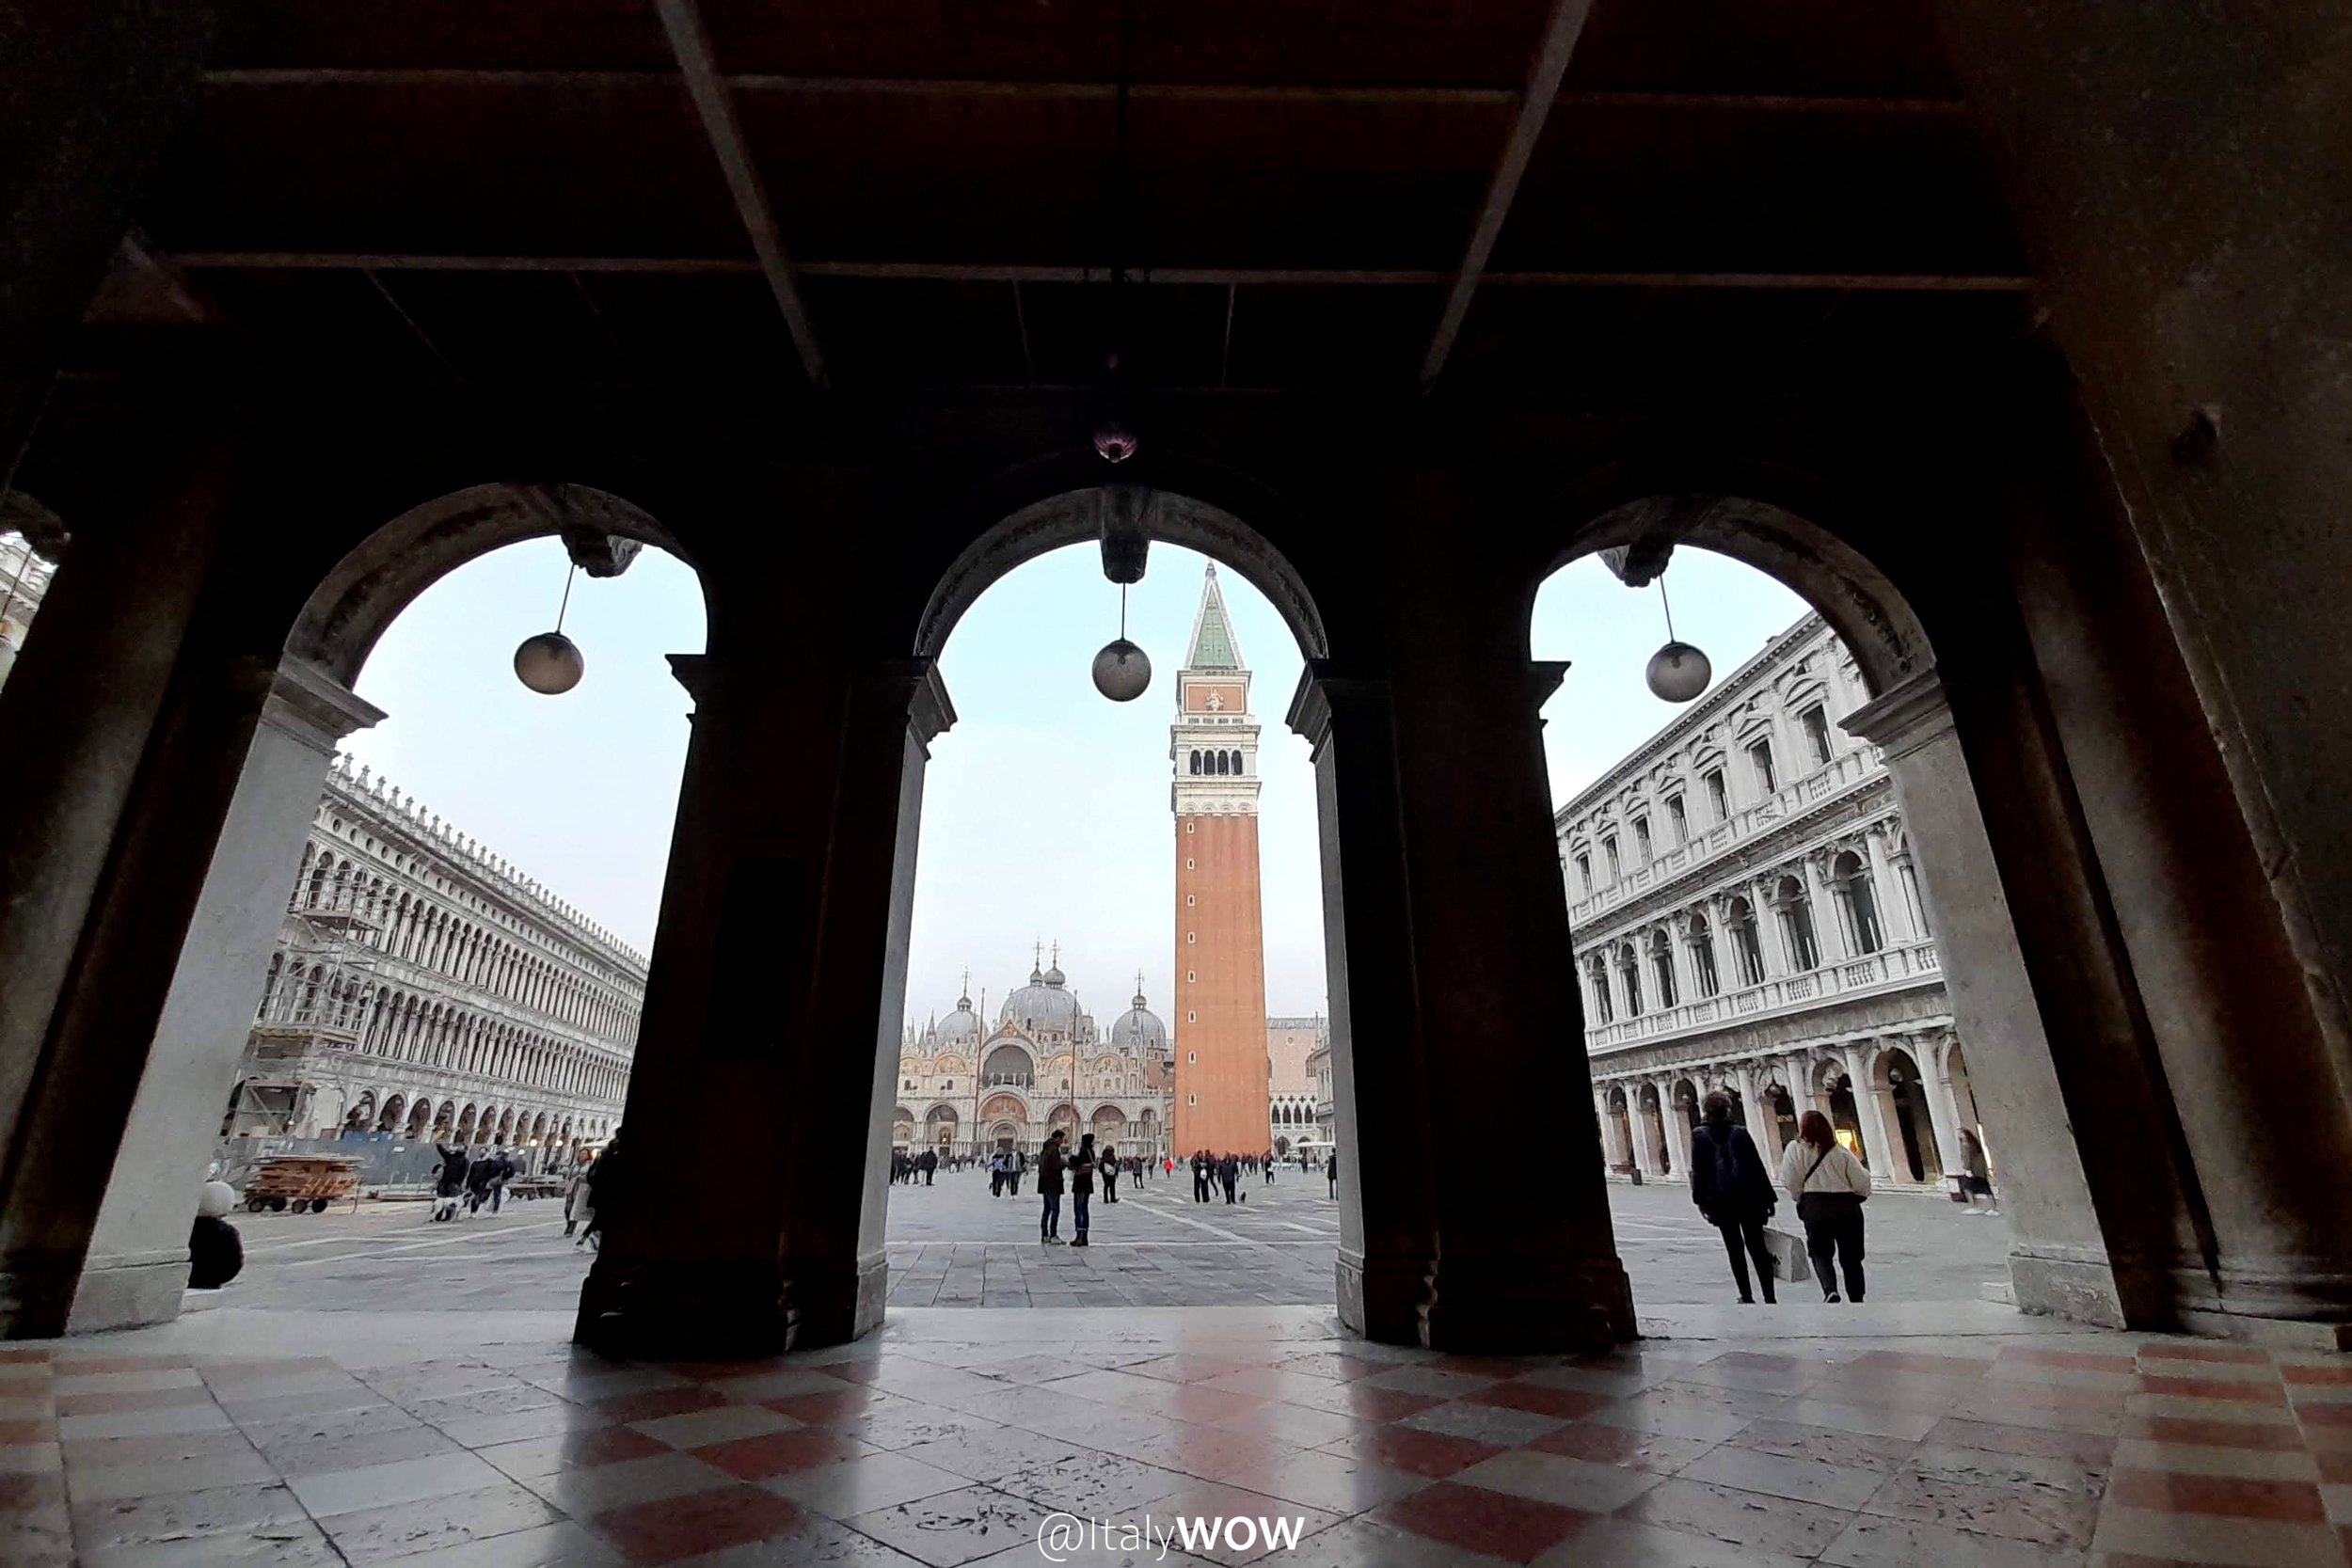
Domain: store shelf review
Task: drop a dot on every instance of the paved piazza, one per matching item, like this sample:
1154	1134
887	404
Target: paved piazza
953	1245
1962	1435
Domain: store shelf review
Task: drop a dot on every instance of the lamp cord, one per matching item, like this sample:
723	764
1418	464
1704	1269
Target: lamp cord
1123	612
563	608
1667	605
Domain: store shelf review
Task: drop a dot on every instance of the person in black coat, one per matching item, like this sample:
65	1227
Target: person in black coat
1730	1185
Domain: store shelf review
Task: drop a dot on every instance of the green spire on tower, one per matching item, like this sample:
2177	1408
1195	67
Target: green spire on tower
1213	645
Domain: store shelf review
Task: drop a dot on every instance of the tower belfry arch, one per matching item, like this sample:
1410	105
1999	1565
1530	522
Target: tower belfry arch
1219	1017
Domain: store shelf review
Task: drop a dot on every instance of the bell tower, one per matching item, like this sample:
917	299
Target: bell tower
1218	1025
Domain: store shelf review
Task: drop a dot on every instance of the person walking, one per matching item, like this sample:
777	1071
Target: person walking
1082	1168
1977	1181
449	1182
1110	1175
1267	1165
1049	1182
930	1166
608	1188
1331	1172
1229	1175
576	1197
478	1176
1830	1186
1200	1176
1734	1192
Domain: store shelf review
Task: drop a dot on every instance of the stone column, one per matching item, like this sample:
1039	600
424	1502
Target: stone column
137	1262
1388	1226
1886	892
2153	158
1829	924
1677	1129
772	1011
1644	1146
2069	1173
1752	1107
1936	1089
95	683
1878	1153
1608	1152
1770	939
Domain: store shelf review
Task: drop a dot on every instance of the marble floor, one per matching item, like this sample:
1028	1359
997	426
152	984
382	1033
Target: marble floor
1905	1435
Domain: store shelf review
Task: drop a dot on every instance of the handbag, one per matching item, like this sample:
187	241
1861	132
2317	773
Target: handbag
1789	1263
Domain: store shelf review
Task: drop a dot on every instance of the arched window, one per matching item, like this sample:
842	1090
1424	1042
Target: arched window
1747	945
1597	972
1221	766
1703	957
1629	975
1857	904
1661	965
1236	764
1796	925
1195	764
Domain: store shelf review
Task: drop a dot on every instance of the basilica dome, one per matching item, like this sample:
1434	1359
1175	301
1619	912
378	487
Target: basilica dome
1138	1028
1044	1002
961	1027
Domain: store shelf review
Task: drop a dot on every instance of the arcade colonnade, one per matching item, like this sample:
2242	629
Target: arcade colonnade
2088	556
778	978
1904	1098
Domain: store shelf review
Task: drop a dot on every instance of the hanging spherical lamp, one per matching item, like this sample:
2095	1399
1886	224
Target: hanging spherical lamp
550	663
1678	672
1121	670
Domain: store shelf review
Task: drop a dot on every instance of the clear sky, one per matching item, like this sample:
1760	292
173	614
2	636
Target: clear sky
1045	813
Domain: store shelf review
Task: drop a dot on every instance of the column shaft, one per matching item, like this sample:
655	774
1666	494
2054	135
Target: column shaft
98	864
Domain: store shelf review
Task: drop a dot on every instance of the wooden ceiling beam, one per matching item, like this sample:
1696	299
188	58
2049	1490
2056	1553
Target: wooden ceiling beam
1175	92
714	102
938	271
1527	127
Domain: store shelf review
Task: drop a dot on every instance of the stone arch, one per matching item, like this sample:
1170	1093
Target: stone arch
395	1107
365	592
1859	600
420	1117
1901	1089
1171	515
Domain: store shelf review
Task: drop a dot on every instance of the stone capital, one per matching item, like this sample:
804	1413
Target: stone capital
1908	715
303	701
1326	697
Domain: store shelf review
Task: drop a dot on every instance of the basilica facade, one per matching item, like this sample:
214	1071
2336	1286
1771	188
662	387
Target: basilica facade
969	1086
1748	919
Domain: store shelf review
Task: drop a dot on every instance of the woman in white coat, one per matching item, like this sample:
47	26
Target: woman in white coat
1829	1186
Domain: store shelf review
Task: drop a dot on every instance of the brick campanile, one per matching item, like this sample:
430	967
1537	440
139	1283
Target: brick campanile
1219	1018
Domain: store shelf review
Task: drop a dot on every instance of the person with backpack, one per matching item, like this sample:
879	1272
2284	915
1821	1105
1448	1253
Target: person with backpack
1830	1186
1734	1192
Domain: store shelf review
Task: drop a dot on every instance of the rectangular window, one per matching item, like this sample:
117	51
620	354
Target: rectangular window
1609	851
1640	839
1679	820
1767	781
1817	734
1584	873
1718	798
